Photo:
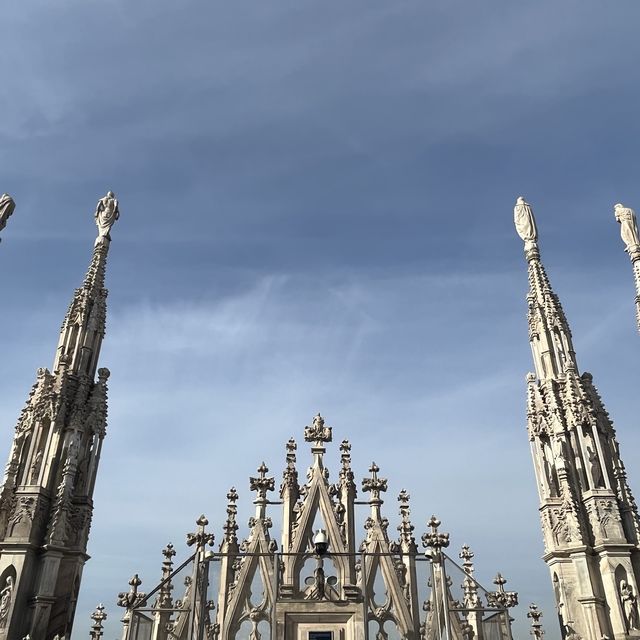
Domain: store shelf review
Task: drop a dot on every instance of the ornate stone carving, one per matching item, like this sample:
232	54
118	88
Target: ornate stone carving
107	212
262	484
374	485
626	217
629	605
500	597
534	615
525	223
132	598
317	432
98	617
6	597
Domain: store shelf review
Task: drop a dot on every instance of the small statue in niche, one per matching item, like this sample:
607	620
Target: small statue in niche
628	600
596	469
6	595
550	470
35	468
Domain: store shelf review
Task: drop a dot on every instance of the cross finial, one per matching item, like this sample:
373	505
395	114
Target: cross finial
133	597
374	484
500	597
201	538
536	626
262	484
169	552
434	540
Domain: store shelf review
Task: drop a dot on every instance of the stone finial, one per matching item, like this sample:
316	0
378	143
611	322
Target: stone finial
7	207
98	617
290	473
525	223
536	626
262	483
231	525
164	599
107	212
346	476
466	555
433	539
133	597
469	584
374	484
201	538
317	431
291	451
405	527
500	597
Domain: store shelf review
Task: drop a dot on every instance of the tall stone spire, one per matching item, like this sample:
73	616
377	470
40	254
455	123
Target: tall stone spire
46	497
589	516
629	232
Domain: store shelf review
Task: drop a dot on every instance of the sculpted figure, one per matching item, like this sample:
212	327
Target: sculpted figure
35	467
596	469
525	223
629	605
107	213
7	206
628	226
5	601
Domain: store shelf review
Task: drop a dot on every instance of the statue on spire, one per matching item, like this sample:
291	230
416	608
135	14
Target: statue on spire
7	207
628	227
106	214
525	223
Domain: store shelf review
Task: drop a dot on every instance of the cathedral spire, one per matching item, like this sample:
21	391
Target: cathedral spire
46	500
629	231
84	324
549	332
589	516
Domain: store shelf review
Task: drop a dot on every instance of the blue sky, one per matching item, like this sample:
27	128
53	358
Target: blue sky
316	216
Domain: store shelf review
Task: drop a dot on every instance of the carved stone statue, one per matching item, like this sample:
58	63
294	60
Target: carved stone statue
6	596
7	206
628	227
596	469
525	223
107	213
629	605
35	467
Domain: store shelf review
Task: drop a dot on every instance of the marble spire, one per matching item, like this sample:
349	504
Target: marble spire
589	516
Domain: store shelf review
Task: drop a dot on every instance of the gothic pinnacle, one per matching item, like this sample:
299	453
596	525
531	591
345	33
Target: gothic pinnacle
585	499
549	332
64	421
